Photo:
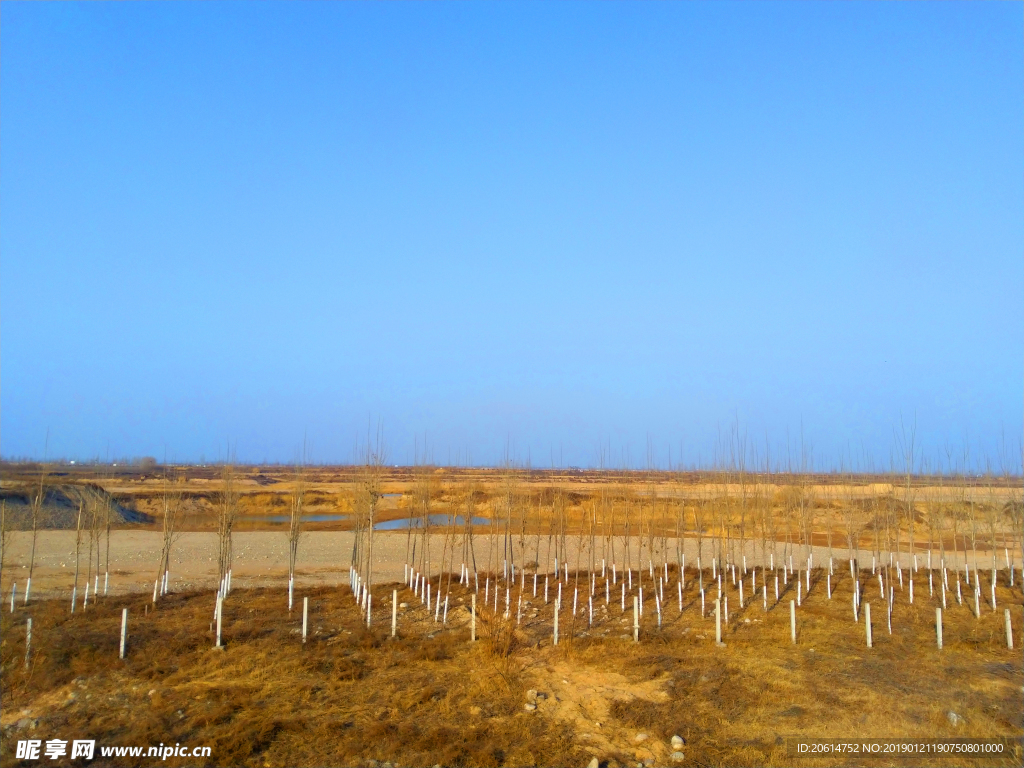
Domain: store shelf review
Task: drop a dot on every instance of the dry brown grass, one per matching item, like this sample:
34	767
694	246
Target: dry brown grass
353	695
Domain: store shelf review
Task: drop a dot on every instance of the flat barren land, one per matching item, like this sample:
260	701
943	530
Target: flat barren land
656	689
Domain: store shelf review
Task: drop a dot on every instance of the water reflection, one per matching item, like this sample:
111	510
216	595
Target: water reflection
417	522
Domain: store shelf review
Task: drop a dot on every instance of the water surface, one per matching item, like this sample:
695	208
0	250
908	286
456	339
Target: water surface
417	522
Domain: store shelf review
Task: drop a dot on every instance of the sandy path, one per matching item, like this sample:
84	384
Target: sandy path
261	559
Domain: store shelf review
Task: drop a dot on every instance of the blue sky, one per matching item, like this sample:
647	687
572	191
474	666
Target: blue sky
537	228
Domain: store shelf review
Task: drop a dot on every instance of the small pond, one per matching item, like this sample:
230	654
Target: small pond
416	522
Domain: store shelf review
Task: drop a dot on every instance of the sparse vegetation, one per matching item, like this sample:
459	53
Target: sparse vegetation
351	694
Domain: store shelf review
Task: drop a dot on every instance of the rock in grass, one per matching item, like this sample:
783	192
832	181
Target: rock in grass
531	695
677	742
678	757
640	737
529	707
954	718
594	763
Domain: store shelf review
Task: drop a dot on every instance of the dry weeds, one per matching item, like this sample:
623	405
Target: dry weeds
352	695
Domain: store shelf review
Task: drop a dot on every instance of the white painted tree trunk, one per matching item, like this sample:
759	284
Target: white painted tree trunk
557	606
636	620
220	608
124	630
718	622
792	621
867	622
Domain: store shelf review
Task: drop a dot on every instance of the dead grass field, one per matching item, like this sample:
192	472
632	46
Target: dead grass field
352	695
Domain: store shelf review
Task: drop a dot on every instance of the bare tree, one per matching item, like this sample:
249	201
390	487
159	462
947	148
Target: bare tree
875	526
450	536
469	516
295	520
762	506
771	521
935	521
418	472
98	522
1014	510
992	520
91	520
227	510
906	440
552	541
559	515
957	514
851	517
78	550
699	516
806	504
36	514
106	557
169	531
972	512
627	509
828	512
5	536
369	495
422	498
524	511
509	494
739	464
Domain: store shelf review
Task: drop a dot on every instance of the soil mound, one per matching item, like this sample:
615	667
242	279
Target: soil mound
60	506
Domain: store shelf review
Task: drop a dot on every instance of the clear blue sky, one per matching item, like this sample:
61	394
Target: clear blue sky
550	226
